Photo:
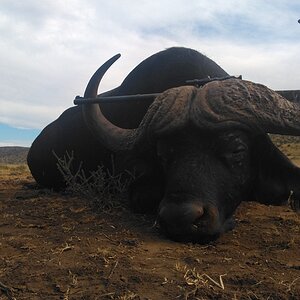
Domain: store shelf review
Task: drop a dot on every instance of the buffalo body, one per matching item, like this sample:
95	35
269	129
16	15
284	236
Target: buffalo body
197	153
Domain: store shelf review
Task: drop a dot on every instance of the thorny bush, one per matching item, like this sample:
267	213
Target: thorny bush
103	187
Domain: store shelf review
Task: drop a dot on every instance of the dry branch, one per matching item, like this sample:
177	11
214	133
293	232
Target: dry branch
102	186
113	269
7	291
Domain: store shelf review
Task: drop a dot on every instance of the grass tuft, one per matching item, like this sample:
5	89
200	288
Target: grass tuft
104	188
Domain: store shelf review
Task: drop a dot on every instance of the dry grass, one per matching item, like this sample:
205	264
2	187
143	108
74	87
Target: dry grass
105	189
195	281
13	169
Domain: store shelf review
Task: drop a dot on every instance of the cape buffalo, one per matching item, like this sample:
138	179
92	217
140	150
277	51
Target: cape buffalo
196	152
69	133
199	152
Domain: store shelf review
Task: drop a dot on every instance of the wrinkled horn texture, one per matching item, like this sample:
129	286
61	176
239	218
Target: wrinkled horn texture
253	105
169	111
220	105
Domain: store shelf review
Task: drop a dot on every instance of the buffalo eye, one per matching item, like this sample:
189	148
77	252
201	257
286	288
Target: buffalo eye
233	147
236	155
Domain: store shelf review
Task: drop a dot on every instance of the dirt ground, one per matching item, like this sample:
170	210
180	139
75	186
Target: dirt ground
56	246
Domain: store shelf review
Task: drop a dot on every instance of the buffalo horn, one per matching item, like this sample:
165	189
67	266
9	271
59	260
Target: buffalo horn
240	102
112	137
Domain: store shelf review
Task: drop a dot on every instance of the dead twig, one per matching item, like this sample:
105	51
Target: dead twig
113	269
102	186
289	286
110	239
221	284
73	284
286	284
128	296
67	247
64	248
105	295
197	281
7	291
66	294
191	293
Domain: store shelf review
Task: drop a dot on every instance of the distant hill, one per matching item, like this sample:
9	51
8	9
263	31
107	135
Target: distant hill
13	155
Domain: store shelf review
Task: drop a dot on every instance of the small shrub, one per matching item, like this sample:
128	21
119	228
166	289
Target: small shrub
104	188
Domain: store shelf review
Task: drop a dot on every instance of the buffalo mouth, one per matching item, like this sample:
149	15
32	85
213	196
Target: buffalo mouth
191	222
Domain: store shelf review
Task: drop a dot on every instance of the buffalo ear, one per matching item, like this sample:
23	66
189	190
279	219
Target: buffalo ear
276	176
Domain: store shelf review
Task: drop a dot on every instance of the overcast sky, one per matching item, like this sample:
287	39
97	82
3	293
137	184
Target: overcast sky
50	48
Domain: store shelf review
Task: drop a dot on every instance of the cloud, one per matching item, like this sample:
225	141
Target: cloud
50	48
40	114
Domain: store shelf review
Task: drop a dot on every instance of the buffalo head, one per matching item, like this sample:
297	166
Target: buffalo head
199	152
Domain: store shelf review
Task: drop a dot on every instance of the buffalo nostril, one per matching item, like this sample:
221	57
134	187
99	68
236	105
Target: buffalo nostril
189	221
195	213
198	216
199	212
208	217
181	215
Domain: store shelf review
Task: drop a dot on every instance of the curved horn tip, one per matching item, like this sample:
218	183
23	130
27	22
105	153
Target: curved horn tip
115	57
92	87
